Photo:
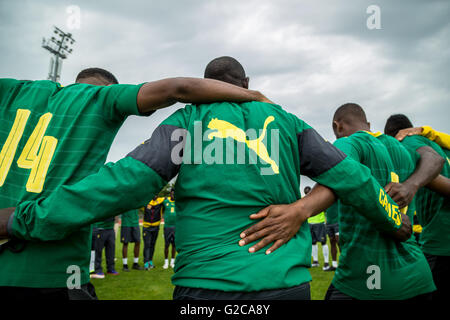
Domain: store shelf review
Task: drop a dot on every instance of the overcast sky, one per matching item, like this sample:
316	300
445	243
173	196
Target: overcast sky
308	56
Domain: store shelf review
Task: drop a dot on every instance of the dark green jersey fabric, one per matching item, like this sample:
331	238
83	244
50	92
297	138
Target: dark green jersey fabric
403	162
130	218
404	271
433	210
332	213
218	188
49	136
107	224
170	213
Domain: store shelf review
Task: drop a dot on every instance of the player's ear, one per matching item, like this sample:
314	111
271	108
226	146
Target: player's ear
245	82
336	129
368	123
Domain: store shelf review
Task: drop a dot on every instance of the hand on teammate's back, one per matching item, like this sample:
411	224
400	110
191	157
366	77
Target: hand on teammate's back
280	223
401	193
408	132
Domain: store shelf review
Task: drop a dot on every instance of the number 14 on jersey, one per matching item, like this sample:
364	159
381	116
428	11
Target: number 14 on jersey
36	155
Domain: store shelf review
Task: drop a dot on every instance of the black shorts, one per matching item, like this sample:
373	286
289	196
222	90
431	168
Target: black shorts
300	292
318	233
85	292
169	235
335	294
332	229
130	234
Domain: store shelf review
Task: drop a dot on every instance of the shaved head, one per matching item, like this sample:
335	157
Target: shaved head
227	69
350	112
348	119
96	76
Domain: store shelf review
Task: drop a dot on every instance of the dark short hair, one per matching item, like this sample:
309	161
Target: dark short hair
395	123
226	69
97	73
350	111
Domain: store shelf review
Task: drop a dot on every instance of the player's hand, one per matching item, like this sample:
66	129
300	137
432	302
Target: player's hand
401	193
265	99
278	225
405	231
408	132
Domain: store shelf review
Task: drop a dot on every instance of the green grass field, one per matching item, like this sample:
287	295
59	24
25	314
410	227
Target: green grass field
155	284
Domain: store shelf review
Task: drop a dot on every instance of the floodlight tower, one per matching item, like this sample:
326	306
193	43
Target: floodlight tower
59	47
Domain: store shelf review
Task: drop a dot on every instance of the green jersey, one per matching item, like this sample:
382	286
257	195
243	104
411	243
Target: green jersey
318	218
232	160
50	136
130	218
332	213
169	213
403	269
107	224
433	210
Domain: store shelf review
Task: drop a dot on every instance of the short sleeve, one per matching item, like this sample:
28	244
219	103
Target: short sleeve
120	101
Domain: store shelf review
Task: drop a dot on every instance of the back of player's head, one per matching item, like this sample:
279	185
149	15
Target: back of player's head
348	119
96	76
227	69
395	123
350	113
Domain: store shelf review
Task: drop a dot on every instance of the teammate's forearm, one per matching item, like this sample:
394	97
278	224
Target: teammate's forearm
440	185
318	200
427	168
162	93
126	185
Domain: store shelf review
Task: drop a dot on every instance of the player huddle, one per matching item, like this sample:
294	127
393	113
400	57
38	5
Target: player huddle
239	234
103	236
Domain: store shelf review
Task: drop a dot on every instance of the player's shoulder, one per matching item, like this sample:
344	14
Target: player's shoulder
7	84
417	141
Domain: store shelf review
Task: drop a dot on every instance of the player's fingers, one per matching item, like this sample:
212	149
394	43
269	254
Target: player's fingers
261	214
388	187
251	237
261	244
393	193
260	225
400	135
275	246
253	229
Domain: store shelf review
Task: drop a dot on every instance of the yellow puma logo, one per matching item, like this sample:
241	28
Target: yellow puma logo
226	129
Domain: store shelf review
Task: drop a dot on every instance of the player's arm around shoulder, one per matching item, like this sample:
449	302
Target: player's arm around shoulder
163	93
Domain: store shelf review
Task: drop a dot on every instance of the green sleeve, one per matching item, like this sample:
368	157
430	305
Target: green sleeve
119	101
355	186
113	190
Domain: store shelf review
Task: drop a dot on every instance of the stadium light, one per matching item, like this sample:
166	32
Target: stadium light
59	48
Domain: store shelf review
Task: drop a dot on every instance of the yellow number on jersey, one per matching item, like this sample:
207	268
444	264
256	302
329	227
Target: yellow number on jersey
9	148
36	155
